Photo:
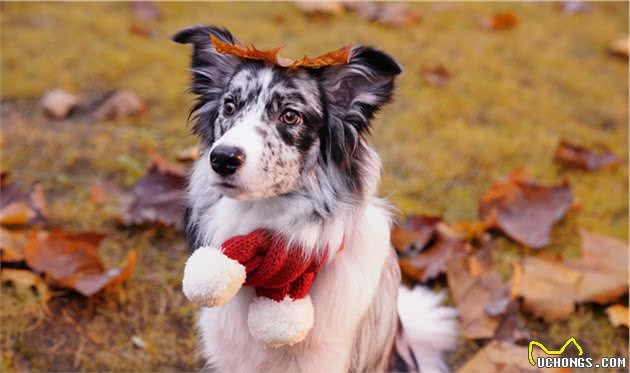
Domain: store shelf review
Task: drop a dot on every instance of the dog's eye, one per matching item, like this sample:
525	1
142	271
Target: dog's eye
229	107
290	117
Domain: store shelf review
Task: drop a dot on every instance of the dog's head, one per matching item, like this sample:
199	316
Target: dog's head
265	127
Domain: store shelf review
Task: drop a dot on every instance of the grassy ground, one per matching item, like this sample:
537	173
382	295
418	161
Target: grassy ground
511	97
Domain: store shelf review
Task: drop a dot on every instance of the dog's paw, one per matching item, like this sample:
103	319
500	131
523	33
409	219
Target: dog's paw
211	279
282	323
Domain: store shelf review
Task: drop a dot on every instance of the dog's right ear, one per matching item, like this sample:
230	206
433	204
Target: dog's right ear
211	70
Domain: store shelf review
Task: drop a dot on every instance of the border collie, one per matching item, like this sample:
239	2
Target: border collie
290	155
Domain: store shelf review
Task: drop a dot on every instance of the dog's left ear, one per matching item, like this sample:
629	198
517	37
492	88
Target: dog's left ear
356	91
211	70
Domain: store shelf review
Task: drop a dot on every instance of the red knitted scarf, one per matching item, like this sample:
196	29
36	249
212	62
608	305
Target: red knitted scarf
273	268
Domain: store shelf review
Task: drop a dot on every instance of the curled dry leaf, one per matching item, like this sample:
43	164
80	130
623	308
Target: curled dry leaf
158	196
272	56
388	14
437	75
550	288
525	210
58	103
72	261
120	104
618	315
580	157
473	291
499	21
619	47
22	278
18	207
429	244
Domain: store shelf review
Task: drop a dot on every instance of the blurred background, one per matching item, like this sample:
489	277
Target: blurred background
94	115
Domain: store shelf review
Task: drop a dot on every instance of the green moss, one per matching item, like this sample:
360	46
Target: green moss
512	95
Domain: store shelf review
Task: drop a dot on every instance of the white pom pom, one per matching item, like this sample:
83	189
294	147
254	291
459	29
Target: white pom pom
277	324
211	278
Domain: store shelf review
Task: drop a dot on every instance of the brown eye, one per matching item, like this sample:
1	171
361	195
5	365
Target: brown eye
229	107
290	117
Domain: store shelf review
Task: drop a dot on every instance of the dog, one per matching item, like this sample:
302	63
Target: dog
286	150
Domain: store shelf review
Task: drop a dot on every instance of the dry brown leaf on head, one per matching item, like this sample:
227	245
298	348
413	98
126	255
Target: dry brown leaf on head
25	279
499	21
427	245
157	198
580	157
72	261
480	297
618	315
18	207
272	56
525	210
603	266
503	357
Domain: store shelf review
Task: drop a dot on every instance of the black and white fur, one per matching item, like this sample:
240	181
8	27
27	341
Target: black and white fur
314	181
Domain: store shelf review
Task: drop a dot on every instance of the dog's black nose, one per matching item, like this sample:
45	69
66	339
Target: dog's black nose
225	160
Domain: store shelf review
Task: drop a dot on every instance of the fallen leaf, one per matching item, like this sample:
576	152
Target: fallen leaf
414	235
145	10
619	47
388	14
499	357
512	326
524	210
472	293
320	8
272	56
188	154
139	342
437	75
548	288
438	244
574	7
72	260
18	207
499	21
580	157
158	196
618	315
11	245
22	278
603	266
120	104
58	103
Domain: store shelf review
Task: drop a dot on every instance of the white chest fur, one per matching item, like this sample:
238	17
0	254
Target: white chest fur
341	293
